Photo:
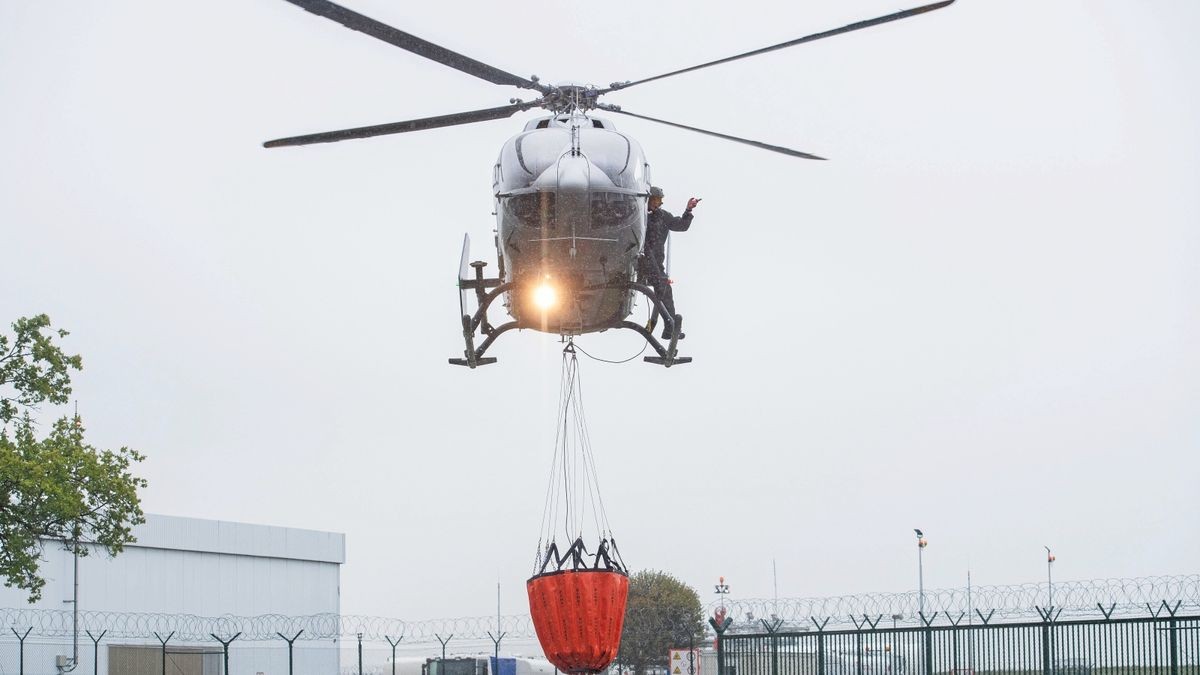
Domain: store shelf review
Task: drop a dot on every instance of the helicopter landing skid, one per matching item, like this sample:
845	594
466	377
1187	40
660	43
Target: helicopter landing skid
474	356
666	355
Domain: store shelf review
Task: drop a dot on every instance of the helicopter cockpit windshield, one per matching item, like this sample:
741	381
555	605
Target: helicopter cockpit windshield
613	210
532	209
606	210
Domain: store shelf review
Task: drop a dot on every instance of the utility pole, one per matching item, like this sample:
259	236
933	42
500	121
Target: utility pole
498	636
721	623
1049	576
921	544
74	601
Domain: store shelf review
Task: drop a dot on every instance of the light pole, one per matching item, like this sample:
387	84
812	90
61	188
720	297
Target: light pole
721	623
921	544
1049	576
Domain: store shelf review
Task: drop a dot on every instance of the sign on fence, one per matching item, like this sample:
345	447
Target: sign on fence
684	662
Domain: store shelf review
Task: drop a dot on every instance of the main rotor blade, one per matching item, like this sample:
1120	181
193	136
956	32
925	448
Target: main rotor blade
394	36
403	127
757	144
791	43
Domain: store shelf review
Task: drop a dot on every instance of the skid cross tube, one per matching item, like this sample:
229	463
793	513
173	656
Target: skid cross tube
474	356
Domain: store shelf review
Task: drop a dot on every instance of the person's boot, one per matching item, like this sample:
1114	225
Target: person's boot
666	334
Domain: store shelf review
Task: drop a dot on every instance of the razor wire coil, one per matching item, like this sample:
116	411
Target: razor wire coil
1077	599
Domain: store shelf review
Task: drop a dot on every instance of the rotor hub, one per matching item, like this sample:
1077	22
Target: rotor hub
568	98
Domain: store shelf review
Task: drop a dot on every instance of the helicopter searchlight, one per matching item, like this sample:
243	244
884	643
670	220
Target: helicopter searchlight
570	197
544	296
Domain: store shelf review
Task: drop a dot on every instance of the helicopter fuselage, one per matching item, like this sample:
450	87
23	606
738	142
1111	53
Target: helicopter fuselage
570	195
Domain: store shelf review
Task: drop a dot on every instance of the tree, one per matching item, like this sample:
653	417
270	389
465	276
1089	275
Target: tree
32	368
57	487
663	613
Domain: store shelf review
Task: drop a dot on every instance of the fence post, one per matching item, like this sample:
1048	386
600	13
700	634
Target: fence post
954	638
928	635
393	644
1173	636
772	629
225	648
1047	639
444	643
495	659
858	631
96	650
691	654
21	657
360	654
719	629
820	644
164	649
289	648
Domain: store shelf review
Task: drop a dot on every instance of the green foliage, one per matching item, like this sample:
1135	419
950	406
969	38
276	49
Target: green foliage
663	613
32	368
57	487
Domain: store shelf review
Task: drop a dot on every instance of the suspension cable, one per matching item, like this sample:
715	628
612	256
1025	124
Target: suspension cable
573	488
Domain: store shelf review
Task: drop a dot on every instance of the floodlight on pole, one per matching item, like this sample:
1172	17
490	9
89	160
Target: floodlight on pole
1049	576
921	544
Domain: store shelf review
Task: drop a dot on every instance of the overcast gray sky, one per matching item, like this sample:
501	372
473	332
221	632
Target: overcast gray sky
981	318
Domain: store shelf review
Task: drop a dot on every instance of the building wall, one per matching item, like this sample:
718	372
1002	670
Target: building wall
201	568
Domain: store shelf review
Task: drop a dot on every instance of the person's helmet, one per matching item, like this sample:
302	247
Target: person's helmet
657	192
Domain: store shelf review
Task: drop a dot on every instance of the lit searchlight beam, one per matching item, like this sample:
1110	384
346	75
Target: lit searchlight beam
545	296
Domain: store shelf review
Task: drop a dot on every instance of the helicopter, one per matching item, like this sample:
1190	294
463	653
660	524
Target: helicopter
570	195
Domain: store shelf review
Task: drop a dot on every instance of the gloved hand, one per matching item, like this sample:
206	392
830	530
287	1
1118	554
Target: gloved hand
692	203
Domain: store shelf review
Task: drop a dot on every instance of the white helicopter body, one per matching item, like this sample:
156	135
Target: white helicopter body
571	196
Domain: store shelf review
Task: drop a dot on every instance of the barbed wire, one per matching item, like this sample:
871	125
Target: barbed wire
328	626
1120	597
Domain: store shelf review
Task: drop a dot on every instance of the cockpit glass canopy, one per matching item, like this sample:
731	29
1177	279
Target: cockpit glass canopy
602	209
532	209
613	209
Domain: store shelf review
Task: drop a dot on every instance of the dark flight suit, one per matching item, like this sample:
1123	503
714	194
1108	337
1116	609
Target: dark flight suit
652	263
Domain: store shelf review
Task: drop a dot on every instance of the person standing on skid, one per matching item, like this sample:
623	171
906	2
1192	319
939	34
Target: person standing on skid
652	263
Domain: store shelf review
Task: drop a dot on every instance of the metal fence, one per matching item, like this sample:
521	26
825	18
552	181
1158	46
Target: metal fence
1088	599
37	655
25	652
1165	644
1013	602
1099	626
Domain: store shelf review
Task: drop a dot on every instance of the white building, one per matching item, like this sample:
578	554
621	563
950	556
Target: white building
180	571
